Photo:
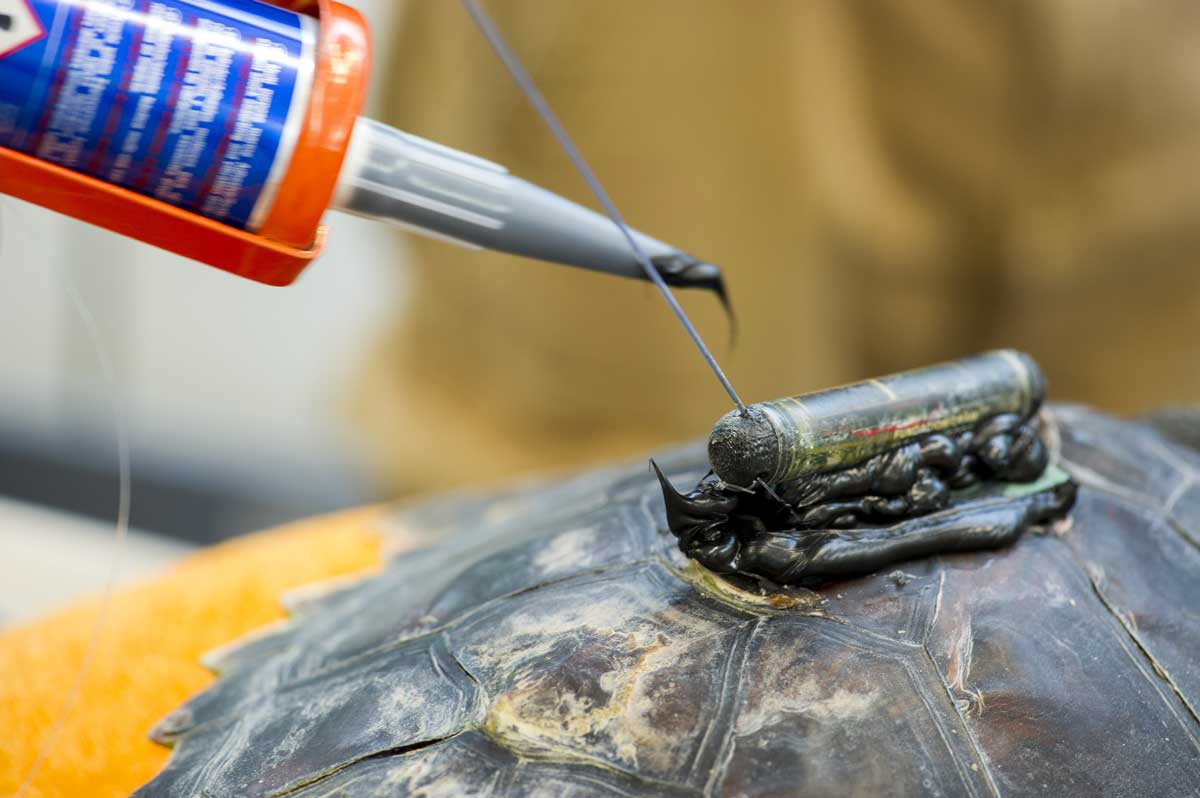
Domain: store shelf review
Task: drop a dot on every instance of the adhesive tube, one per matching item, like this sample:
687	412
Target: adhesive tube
223	129
213	128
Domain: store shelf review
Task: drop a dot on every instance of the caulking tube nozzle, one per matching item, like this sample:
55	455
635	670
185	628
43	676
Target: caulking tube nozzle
431	189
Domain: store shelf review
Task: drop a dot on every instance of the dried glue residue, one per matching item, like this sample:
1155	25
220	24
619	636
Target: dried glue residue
806	601
565	549
807	698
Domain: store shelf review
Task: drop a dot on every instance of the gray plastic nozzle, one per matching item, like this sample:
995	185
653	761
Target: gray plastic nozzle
394	176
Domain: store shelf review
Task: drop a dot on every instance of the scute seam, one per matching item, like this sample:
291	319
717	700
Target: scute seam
980	756
968	734
1101	484
400	750
731	699
1131	631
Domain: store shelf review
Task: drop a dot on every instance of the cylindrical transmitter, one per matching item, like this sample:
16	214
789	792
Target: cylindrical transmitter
790	438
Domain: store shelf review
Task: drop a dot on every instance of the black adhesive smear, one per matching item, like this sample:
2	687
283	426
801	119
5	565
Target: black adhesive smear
5	22
694	514
680	270
896	506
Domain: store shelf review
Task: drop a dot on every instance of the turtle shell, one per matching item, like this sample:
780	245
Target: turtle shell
555	643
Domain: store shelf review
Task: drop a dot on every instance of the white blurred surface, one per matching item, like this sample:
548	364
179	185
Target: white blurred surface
221	379
223	373
51	558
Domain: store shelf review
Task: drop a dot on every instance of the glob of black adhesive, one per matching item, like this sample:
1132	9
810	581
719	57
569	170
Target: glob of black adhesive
680	270
884	510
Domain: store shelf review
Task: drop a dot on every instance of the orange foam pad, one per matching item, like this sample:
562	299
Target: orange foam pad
148	658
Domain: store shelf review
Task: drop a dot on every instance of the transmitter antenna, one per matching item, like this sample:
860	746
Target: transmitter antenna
506	55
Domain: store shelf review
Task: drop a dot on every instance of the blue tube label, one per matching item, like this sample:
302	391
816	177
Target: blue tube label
197	103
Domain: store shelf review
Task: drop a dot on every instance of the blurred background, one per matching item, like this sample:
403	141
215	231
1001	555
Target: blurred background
887	184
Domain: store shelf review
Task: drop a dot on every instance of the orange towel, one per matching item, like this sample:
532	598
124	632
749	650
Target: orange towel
147	661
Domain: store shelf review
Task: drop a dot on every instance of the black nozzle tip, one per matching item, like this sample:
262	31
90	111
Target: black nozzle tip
680	270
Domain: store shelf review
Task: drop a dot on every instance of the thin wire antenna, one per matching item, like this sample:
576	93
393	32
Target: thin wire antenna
506	55
120	533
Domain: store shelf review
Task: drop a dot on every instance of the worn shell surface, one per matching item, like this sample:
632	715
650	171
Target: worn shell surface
555	645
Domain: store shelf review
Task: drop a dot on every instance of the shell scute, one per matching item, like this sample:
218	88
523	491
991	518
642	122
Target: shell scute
626	670
273	743
1050	687
1155	602
1130	460
896	604
811	686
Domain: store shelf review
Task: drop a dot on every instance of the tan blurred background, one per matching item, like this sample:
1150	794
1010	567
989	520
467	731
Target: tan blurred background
887	184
